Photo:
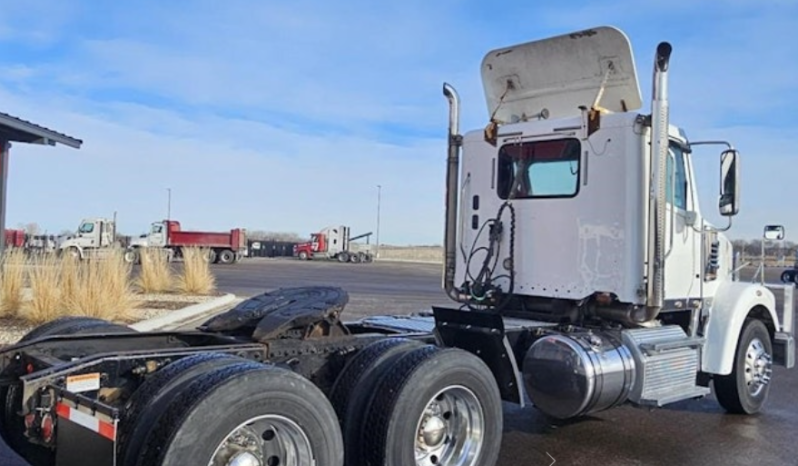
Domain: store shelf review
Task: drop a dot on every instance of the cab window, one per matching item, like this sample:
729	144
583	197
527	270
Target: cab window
539	169
86	228
676	183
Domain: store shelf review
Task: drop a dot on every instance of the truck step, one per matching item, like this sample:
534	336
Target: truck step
667	364
665	398
668	345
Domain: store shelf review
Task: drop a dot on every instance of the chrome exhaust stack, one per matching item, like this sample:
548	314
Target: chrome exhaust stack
452	176
657	209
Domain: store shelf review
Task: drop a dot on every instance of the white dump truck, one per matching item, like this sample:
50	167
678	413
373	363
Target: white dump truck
583	274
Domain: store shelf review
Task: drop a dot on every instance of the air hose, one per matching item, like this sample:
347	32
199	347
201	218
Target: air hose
483	287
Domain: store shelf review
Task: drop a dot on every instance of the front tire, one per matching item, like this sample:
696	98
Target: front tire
746	389
436	406
132	256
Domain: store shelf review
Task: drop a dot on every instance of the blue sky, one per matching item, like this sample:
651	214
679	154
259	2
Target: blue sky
284	116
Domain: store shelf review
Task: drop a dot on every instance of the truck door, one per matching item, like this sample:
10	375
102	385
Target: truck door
682	259
316	242
88	234
157	236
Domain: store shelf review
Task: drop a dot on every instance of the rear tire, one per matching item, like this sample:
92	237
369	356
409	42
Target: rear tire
787	276
746	389
354	258
343	257
355	385
147	404
434	406
226	256
261	406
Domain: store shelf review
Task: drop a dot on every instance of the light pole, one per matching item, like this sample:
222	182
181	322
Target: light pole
169	204
379	192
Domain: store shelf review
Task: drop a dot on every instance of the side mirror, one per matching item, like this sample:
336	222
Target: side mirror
774	232
729	203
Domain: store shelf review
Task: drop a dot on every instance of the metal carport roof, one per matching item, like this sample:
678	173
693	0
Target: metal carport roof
14	129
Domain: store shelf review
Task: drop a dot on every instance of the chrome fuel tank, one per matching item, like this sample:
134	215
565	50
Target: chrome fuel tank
576	374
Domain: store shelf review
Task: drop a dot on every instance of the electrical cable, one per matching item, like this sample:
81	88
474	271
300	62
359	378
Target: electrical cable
485	281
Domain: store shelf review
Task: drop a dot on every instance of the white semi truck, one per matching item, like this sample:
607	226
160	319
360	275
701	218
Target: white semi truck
93	237
584	272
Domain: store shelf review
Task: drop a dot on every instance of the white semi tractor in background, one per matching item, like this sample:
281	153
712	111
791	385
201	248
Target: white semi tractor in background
94	237
584	272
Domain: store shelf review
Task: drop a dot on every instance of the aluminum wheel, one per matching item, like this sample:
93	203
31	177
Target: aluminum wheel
451	429
758	367
269	440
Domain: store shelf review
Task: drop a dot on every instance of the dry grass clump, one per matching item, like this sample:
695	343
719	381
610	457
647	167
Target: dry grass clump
12	281
65	286
44	278
155	275
196	277
102	289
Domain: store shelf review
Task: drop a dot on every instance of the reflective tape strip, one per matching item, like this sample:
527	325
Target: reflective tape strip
105	429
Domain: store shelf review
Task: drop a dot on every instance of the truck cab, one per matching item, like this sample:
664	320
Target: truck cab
92	234
334	243
155	237
574	208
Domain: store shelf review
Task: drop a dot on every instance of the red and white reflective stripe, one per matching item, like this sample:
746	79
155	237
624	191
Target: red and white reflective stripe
106	429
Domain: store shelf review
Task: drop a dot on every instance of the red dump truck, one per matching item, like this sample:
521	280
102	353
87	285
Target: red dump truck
224	247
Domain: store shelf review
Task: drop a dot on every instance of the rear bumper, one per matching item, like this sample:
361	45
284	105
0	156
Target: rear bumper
784	350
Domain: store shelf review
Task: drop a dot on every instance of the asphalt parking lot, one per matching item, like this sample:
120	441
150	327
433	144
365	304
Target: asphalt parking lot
686	433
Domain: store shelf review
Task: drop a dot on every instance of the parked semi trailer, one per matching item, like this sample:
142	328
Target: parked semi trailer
223	247
582	271
335	243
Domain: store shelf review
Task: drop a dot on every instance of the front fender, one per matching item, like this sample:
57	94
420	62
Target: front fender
731	305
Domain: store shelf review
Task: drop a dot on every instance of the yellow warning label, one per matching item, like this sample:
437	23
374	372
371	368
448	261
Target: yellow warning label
83	382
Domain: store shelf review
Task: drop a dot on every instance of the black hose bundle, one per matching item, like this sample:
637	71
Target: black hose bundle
482	288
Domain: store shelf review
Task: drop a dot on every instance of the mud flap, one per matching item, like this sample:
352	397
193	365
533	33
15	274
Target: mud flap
482	334
83	440
784	350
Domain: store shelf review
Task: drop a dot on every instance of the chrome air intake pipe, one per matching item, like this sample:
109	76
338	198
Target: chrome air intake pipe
452	175
657	211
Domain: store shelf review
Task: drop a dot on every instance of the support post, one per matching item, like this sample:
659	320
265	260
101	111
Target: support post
5	147
377	249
